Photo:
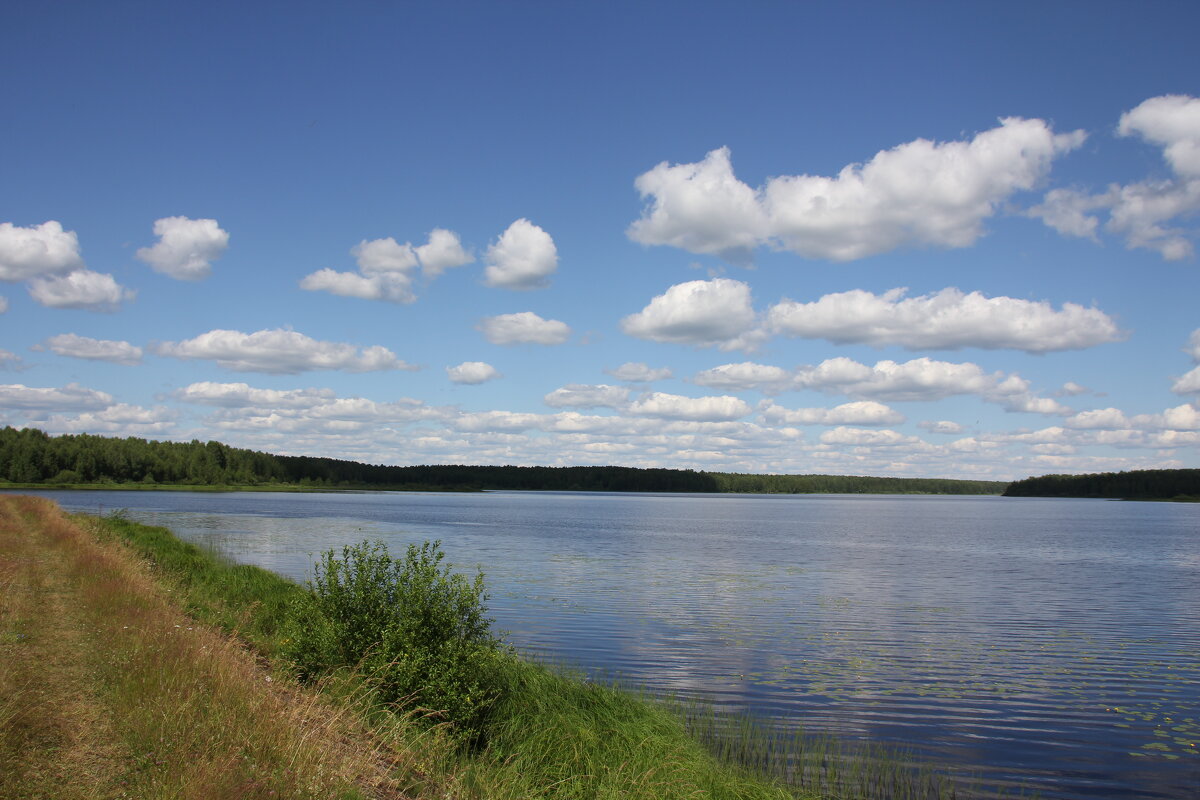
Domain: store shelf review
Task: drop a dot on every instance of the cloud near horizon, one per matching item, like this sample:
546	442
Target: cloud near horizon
280	352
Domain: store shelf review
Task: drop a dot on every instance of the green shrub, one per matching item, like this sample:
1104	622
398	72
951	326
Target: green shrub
417	631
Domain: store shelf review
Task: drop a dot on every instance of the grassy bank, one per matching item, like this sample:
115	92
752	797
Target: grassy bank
167	725
107	689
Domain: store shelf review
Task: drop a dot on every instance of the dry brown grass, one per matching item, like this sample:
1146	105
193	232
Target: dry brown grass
108	690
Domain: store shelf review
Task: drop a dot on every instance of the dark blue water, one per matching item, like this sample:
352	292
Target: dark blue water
1048	643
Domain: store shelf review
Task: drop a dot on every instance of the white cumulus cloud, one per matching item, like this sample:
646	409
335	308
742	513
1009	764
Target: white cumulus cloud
916	194
71	397
700	313
861	437
576	395
859	412
472	373
946	320
1189	383
524	327
242	395
119	419
639	372
386	267
1193	346
44	249
84	289
523	257
395	287
280	352
75	346
1146	213
941	426
443	251
11	361
923	379
185	248
746	376
699	409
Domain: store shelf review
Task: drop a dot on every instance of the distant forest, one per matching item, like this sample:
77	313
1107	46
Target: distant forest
1145	484
32	457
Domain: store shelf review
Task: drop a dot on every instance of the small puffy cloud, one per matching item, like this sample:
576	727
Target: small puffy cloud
860	412
1193	346
917	194
577	395
700	313
1070	212
379	256
745	376
701	409
443	251
3	304
946	320
395	287
1189	383
280	352
39	250
74	346
83	289
10	361
1072	389
472	373
185	247
523	257
638	372
71	397
941	426
524	327
241	395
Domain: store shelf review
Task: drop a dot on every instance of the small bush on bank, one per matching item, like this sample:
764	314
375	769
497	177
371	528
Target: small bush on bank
418	631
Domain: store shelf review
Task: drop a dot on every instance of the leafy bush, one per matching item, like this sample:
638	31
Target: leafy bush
419	632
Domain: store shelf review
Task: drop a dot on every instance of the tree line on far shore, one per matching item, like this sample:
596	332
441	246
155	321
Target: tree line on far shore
1142	484
31	456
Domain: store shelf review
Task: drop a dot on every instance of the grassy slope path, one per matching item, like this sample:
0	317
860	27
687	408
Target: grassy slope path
108	690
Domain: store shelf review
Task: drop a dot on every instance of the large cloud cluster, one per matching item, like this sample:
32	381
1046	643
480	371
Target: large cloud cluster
719	313
920	193
945	320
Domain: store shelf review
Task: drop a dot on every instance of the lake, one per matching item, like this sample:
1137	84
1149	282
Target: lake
1049	643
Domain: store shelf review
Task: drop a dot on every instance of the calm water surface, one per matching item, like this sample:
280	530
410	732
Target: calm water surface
1045	642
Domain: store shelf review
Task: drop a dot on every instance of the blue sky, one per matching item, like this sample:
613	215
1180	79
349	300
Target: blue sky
923	239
